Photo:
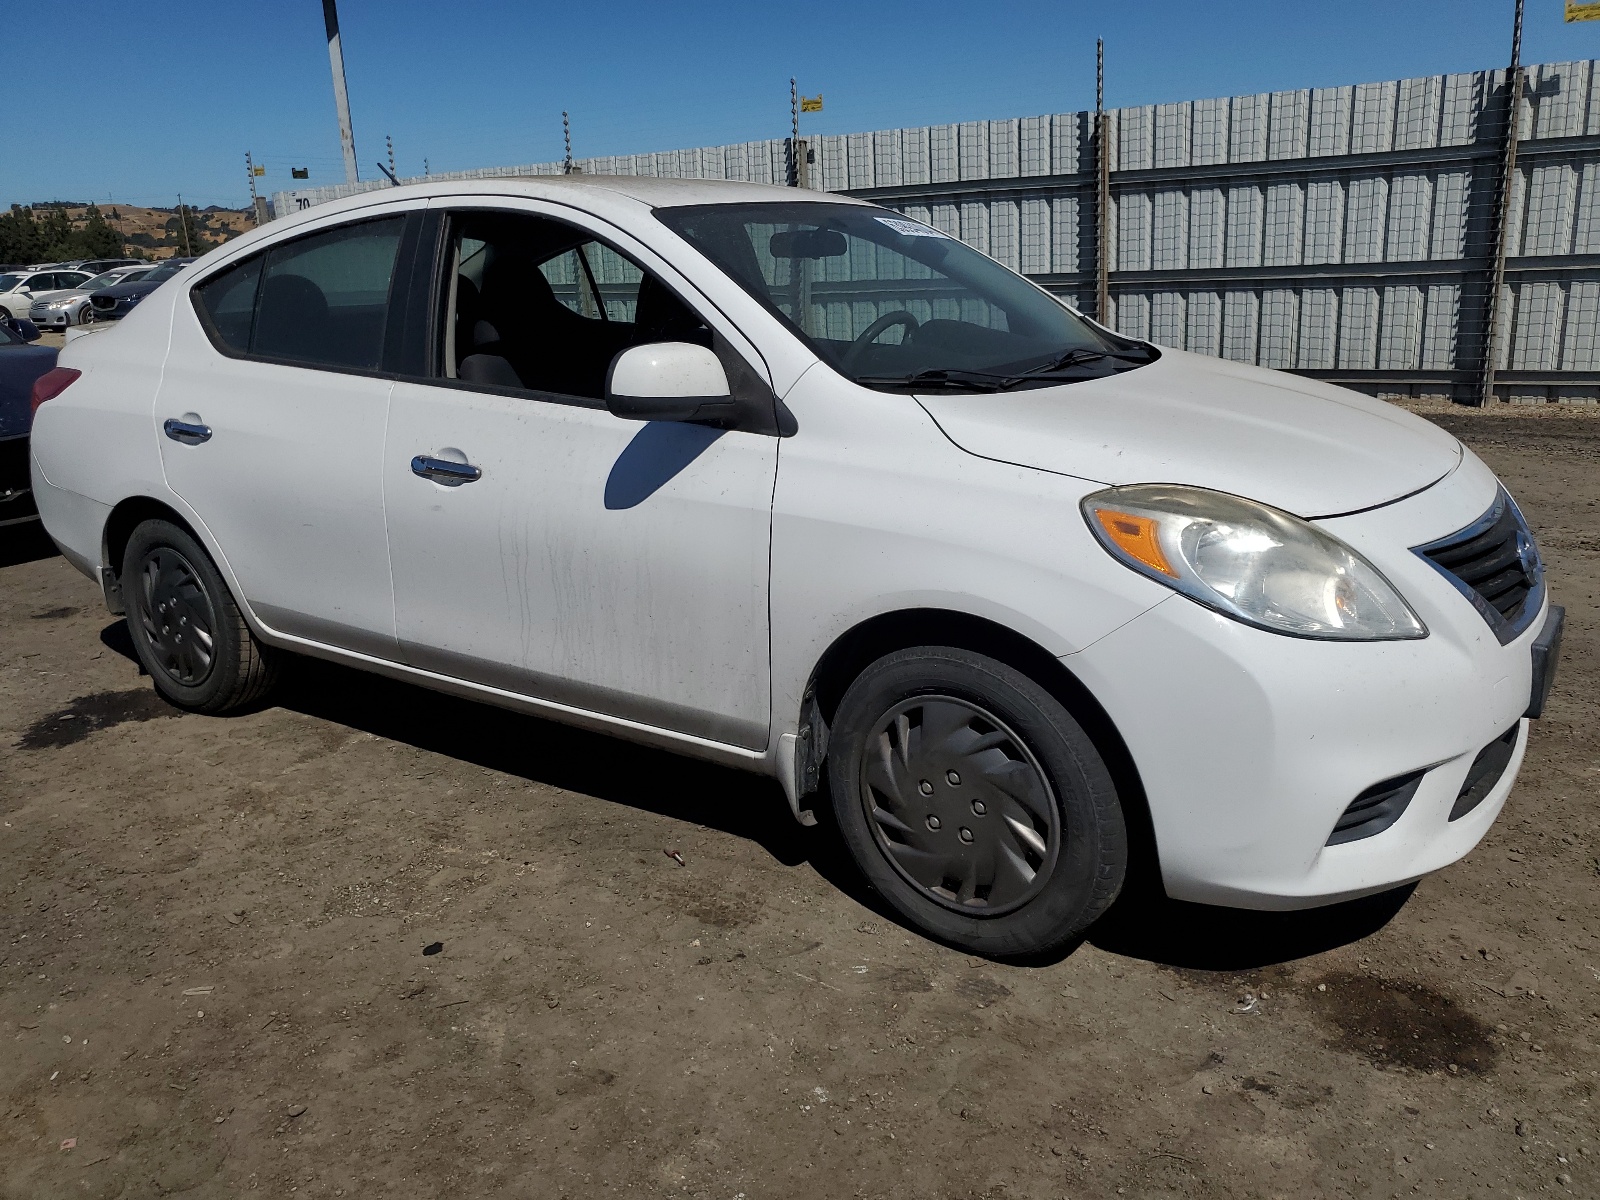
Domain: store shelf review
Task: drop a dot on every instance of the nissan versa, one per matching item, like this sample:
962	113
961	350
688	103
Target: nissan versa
797	484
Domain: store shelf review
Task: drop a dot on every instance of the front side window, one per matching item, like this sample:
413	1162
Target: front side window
895	304
321	300
535	304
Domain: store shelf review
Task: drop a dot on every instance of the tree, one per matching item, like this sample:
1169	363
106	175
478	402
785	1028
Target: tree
19	236
97	239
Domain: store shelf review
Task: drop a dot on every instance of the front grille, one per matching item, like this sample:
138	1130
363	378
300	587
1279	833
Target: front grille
1375	809
1495	564
1485	772
103	303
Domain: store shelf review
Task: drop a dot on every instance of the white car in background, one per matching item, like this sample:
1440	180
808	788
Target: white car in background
57	310
796	484
18	288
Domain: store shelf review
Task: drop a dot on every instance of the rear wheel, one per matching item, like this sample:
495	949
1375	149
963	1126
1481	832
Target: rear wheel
188	632
975	803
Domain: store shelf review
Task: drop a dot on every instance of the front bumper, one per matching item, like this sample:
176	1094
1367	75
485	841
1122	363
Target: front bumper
1251	745
51	318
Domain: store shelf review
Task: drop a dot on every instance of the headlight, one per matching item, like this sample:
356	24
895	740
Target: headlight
58	304
1256	564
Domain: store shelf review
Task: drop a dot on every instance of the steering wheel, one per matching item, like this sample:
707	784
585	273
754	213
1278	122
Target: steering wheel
868	335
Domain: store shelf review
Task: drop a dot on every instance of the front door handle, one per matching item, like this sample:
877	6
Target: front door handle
442	470
190	433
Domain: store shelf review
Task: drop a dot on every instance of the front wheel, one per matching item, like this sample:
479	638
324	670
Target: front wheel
188	632
86	315
975	803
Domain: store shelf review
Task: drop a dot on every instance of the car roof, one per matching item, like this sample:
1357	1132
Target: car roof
599	192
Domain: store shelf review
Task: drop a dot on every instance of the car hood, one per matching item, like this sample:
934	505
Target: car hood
63	294
128	291
1306	447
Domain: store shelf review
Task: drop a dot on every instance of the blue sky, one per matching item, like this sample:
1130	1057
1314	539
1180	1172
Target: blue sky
172	94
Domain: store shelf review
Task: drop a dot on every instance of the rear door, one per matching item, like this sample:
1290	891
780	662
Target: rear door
271	414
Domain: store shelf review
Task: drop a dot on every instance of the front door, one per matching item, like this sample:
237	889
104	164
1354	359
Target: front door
270	419
541	545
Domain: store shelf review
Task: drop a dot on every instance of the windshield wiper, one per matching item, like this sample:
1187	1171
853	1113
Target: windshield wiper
940	377
961	379
1081	356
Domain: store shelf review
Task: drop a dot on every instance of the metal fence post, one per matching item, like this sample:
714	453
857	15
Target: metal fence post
1502	208
1102	195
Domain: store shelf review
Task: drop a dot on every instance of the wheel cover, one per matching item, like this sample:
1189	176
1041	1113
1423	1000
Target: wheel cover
959	805
177	615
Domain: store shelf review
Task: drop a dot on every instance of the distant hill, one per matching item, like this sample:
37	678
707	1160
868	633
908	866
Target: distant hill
155	232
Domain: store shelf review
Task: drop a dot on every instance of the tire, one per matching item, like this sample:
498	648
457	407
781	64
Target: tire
188	632
86	315
919	744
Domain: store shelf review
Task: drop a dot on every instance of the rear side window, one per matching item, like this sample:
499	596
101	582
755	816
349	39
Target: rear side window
228	301
319	301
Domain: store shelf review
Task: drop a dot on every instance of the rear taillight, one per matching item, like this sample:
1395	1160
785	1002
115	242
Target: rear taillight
51	384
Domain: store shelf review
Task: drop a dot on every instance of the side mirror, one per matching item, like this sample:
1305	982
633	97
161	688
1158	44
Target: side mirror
669	381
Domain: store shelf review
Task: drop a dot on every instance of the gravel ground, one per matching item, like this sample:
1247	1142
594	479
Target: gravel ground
376	942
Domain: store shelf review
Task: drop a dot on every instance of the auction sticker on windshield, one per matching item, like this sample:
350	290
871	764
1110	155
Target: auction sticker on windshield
911	228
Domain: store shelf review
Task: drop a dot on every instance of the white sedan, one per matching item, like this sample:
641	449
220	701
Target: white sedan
19	288
794	483
71	306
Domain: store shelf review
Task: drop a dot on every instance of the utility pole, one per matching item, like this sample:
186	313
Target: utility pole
1102	190
566	137
341	98
183	224
1494	315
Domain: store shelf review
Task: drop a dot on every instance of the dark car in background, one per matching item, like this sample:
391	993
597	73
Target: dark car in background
20	365
118	300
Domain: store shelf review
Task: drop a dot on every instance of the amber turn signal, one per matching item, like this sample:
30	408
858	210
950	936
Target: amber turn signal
1137	537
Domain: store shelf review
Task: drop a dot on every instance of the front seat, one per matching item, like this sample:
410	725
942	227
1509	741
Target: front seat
522	324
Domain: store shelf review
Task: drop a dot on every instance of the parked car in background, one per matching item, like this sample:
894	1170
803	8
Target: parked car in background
57	310
97	266
117	301
21	326
20	366
18	288
1028	594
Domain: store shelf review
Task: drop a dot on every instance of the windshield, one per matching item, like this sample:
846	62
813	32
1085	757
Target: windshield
159	274
106	280
897	305
9	283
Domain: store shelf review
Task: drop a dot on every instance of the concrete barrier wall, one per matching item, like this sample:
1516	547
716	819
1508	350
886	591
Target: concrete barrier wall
1338	232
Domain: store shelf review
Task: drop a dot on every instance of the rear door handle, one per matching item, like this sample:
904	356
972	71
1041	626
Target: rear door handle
442	470
187	432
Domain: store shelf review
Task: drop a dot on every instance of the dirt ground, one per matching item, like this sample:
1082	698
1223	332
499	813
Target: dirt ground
375	942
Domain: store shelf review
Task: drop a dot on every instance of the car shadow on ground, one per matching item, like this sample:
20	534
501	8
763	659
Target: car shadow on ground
1143	924
25	544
